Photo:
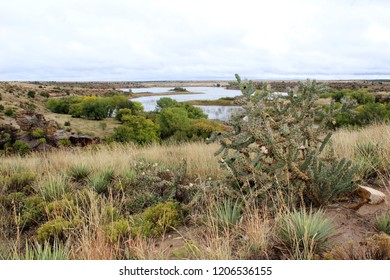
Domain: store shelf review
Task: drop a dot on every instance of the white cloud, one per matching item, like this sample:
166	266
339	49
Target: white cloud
151	40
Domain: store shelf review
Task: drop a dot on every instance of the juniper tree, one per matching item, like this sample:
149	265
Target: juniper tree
276	144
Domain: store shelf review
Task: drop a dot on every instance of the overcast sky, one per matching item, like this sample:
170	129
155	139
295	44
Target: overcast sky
129	40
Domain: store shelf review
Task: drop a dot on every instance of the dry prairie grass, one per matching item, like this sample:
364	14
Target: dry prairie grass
375	142
346	140
199	156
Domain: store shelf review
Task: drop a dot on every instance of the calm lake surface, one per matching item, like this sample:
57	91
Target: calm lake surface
222	113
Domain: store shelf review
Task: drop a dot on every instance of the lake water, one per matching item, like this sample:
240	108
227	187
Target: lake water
202	93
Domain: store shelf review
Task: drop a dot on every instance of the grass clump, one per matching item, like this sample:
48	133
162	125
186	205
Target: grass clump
303	233
369	158
382	222
53	188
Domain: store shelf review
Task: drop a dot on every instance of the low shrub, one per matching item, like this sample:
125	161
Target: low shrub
65	142
57	229
117	230
157	220
31	94
19	181
44	94
20	147
38	133
33	211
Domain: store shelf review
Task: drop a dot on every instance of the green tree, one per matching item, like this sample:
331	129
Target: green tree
166	102
136	129
174	121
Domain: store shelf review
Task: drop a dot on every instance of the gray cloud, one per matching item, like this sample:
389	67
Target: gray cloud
160	40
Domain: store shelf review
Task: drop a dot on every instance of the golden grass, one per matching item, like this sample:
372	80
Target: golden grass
345	140
199	156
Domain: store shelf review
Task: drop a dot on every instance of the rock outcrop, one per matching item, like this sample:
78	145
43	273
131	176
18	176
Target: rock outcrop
29	121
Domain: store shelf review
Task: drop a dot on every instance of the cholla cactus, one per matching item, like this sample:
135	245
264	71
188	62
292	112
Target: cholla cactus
276	142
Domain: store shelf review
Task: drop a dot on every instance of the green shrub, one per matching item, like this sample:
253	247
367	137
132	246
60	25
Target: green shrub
56	229
203	128
33	211
157	220
30	210
166	102
38	133
304	233
65	142
9	112
136	129
79	172
31	94
382	222
19	181
372	113
61	208
121	113
61	105
1	107
44	94
173	121
67	123
21	147
117	230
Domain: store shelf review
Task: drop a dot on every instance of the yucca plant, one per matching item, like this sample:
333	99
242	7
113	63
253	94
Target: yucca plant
54	187
304	233
382	222
228	212
101	181
79	172
36	251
